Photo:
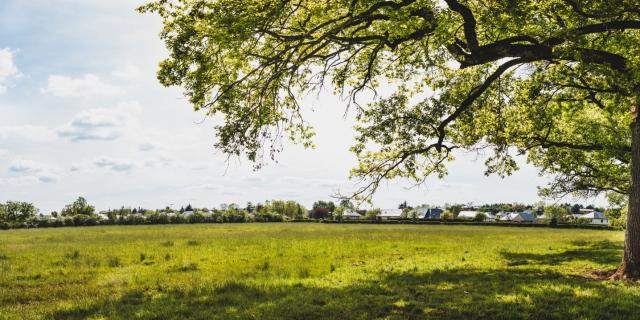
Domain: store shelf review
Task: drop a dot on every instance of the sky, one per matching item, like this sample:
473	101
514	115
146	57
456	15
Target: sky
82	114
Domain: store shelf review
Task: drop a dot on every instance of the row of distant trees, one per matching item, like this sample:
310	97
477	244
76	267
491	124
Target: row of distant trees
16	214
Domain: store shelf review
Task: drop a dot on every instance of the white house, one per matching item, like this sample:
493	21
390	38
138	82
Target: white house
350	215
468	214
525	216
502	215
429	213
490	217
102	216
386	214
595	217
471	214
188	213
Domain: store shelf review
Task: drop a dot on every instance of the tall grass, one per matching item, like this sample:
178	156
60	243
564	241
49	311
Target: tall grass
310	271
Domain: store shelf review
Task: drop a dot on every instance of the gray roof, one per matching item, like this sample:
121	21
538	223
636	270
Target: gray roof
390	212
526	215
591	215
351	213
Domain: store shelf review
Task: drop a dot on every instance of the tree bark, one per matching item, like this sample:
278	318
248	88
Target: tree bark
630	267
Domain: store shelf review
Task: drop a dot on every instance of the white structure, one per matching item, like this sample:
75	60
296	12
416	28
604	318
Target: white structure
490	217
471	214
468	214
502	215
350	215
594	217
525	216
386	214
188	213
429	213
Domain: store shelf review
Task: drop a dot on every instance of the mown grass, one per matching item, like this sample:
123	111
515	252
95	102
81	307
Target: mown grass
311	271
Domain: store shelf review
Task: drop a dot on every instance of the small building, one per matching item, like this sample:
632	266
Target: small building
429	213
471	214
594	217
102	215
351	215
502	215
490	216
467	214
390	214
525	216
188	213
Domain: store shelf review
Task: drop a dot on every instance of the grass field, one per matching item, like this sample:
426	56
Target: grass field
311	271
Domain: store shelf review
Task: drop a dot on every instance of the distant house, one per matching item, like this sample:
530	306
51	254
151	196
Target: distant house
351	215
188	213
594	217
137	214
429	213
467	214
502	215
102	215
525	216
471	214
389	214
490	216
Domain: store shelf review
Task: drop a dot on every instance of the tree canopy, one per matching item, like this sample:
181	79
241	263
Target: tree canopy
550	79
78	207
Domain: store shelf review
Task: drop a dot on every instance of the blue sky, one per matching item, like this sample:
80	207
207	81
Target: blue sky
81	113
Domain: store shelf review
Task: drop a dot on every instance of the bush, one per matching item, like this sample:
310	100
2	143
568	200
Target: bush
480	217
447	215
177	219
372	214
268	217
84	220
196	218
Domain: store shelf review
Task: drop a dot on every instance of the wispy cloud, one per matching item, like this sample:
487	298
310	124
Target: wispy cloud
8	69
29	168
147	146
118	165
101	123
85	86
26	132
127	72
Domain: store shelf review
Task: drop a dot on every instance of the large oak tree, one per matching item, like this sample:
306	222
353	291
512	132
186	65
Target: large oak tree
556	80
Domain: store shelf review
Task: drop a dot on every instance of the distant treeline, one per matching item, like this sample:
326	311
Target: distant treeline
16	214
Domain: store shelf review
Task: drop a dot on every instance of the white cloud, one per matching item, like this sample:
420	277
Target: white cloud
85	86
118	165
8	69
3	152
147	146
26	132
35	170
18	181
127	72
102	123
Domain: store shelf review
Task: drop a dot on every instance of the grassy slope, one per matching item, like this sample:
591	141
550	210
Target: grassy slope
310	271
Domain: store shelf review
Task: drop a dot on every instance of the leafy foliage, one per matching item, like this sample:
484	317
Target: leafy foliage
78	207
550	79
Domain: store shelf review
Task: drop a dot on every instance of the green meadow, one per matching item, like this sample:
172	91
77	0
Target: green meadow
311	271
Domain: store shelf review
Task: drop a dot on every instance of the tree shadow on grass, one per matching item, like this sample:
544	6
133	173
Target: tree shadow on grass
600	252
443	294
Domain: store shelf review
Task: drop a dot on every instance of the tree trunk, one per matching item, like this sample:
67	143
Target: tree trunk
630	267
